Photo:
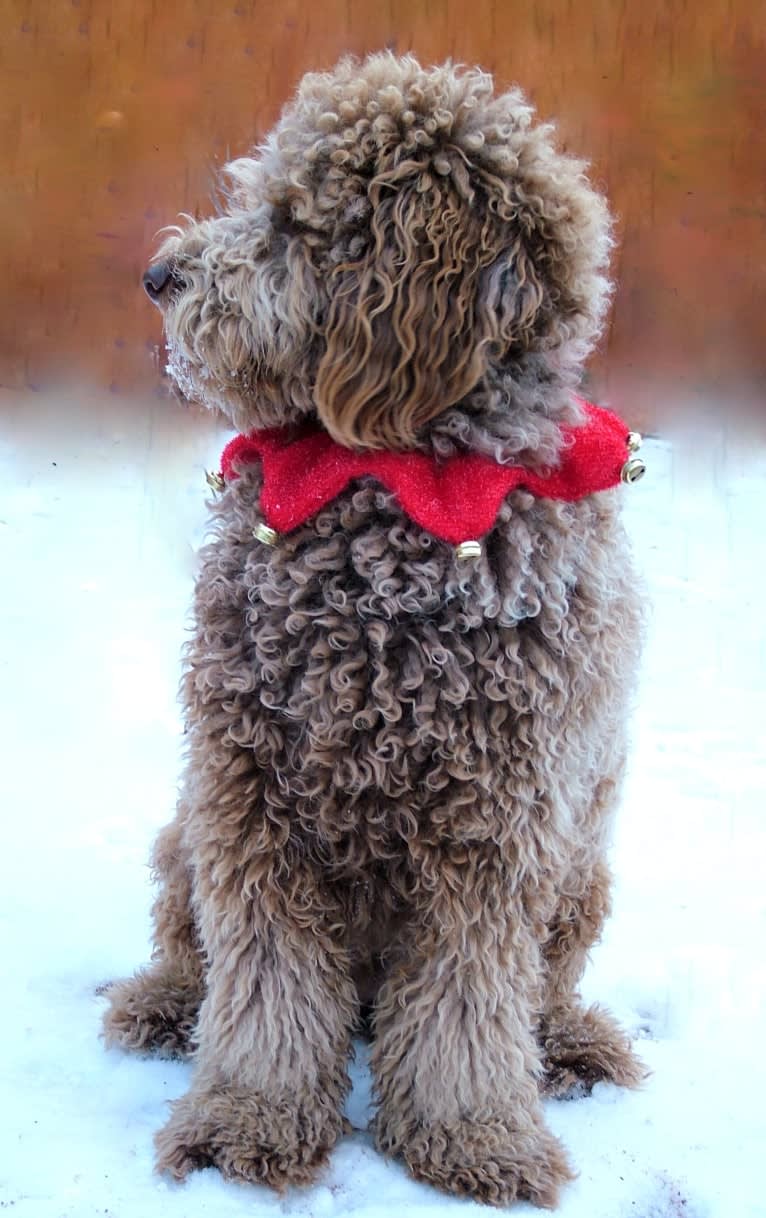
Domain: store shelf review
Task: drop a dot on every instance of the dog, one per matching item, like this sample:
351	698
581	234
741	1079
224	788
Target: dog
416	635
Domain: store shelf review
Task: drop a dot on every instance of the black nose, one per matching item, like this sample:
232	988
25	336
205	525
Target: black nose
156	279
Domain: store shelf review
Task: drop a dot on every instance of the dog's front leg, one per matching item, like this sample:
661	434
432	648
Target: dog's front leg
266	1101
455	1058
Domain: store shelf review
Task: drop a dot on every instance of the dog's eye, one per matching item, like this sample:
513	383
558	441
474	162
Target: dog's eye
284	222
358	212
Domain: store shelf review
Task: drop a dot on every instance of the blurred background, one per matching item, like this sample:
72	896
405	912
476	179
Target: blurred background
118	114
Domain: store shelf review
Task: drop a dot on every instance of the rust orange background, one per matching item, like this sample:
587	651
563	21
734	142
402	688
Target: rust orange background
116	114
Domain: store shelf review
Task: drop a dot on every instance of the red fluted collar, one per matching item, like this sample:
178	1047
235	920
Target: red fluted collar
454	499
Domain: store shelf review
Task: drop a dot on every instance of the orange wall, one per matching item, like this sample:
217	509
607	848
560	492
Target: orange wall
117	112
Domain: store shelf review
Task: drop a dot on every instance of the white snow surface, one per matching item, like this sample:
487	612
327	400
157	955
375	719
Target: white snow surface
101	508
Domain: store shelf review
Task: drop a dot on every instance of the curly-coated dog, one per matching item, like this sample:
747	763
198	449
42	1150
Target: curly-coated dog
416	634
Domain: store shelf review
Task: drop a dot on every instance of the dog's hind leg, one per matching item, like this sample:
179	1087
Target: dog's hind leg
156	1010
581	1045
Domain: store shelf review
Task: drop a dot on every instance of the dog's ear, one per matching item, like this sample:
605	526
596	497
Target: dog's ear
413	320
512	293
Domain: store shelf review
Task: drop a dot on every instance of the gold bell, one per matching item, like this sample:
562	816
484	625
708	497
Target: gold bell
215	481
263	533
468	549
635	440
633	470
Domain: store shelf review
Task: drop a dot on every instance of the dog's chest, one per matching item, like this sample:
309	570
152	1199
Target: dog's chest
361	662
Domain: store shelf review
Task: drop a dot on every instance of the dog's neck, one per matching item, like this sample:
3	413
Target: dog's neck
515	416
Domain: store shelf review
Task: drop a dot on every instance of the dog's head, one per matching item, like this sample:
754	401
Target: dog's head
400	233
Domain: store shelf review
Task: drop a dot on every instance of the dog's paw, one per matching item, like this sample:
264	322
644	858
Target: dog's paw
493	1160
247	1138
153	1012
583	1047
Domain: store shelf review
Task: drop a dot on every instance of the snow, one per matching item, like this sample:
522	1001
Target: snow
102	503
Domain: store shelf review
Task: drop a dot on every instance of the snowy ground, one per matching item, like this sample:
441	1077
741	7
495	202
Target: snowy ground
101	504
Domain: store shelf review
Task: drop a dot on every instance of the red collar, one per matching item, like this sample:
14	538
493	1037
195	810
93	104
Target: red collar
454	499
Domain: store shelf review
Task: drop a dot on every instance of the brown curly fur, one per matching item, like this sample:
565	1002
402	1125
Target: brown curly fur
401	768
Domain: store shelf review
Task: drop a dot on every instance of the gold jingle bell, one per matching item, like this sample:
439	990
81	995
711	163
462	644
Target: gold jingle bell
633	470
215	481
267	535
468	549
